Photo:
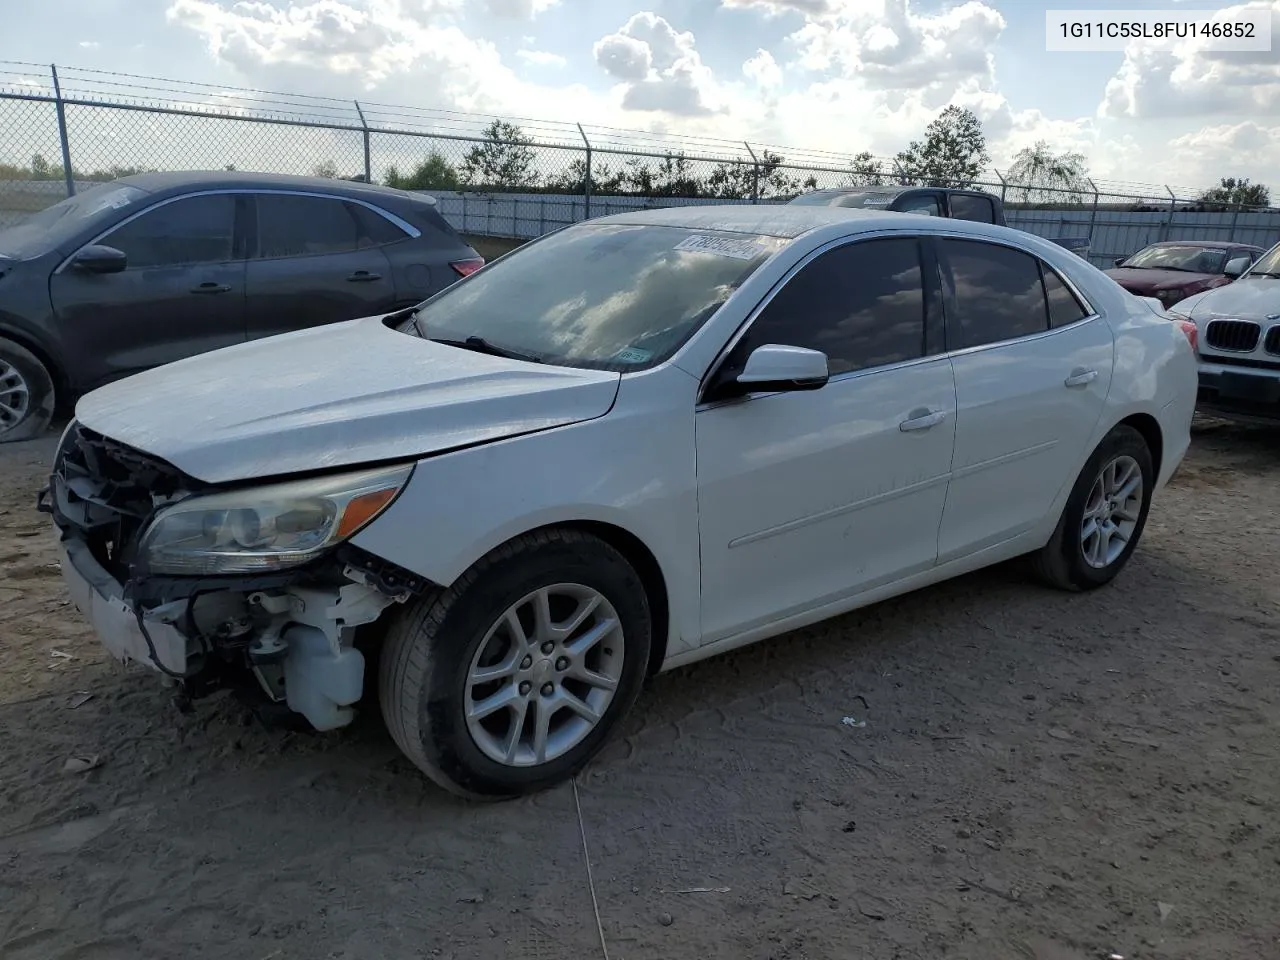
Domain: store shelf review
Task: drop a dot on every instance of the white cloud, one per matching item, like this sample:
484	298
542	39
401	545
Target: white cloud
1188	80
763	70
623	57
88	44
891	46
660	66
776	7
1215	151
541	58
519	9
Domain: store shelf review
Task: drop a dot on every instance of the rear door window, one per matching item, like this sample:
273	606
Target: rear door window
966	206
995	293
1064	307
301	226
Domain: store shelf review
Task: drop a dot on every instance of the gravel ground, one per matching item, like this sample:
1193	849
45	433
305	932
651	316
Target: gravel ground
1040	776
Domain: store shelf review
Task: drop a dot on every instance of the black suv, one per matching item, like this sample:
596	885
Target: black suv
157	267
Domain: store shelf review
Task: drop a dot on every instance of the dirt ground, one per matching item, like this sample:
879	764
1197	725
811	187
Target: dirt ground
1040	777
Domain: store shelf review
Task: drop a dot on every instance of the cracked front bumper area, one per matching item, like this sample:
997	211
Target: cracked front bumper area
291	645
286	637
151	640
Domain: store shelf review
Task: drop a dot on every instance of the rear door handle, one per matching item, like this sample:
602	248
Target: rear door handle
1080	376
211	286
922	420
363	276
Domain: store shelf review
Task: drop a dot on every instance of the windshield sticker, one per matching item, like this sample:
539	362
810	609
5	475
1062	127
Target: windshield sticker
632	355
877	202
721	247
113	200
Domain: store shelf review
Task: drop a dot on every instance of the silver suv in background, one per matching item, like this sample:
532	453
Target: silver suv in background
1238	343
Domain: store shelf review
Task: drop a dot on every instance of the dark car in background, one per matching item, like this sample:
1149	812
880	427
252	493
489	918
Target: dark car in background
953	202
153	268
1173	270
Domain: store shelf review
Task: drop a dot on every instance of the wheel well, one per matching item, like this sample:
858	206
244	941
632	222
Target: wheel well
1147	425
646	565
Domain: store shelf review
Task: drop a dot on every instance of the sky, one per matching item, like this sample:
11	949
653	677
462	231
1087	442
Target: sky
831	75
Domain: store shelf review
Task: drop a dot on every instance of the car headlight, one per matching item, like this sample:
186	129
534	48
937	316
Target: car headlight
269	527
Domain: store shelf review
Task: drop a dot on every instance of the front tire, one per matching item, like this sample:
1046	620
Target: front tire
26	394
513	678
1104	517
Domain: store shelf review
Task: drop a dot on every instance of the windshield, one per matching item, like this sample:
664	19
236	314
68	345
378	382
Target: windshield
869	199
1185	257
48	228
1267	265
609	297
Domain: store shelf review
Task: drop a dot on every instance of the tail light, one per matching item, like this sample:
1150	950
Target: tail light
465	268
1192	334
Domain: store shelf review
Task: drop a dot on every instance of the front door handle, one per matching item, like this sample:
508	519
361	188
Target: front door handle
1080	376
363	276
211	286
922	419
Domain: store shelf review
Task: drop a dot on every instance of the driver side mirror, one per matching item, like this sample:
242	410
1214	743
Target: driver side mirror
97	258
1119	261
1236	266
773	368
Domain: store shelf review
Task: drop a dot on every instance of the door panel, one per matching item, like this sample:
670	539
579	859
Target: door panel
808	497
1026	407
183	291
312	265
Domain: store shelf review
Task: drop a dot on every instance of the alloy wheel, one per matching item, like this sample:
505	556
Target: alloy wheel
15	397
1111	512
544	675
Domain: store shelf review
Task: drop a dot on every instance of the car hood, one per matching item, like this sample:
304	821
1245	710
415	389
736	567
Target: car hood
332	396
1146	281
1249	298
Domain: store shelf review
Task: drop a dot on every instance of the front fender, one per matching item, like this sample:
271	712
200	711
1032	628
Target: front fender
632	469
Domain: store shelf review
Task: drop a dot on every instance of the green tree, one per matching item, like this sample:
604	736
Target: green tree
1233	192
504	160
866	171
672	176
1039	174
573	180
953	152
433	173
327	169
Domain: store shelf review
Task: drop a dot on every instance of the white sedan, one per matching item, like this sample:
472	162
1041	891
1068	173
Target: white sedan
632	444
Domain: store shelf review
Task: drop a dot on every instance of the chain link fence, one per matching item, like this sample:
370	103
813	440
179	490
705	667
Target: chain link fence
64	130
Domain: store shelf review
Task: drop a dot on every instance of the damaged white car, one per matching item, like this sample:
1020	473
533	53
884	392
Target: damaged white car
629	445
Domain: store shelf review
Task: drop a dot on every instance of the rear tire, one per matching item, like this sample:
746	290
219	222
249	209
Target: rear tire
560	622
1104	517
26	394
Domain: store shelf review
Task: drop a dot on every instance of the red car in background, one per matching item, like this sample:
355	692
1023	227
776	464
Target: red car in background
1175	269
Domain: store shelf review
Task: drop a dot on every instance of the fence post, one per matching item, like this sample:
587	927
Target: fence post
67	173
1168	223
368	169
1093	213
586	179
1004	185
755	174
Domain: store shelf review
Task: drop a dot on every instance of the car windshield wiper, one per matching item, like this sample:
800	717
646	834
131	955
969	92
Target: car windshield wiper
1265	273
481	345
